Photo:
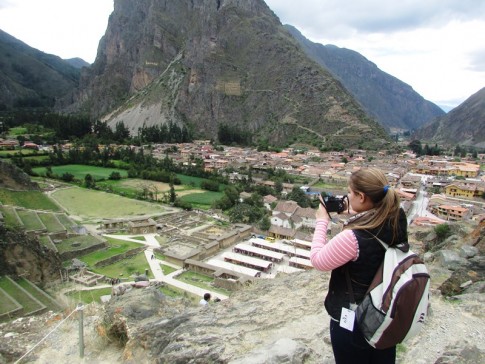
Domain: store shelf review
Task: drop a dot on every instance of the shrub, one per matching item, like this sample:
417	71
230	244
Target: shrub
442	231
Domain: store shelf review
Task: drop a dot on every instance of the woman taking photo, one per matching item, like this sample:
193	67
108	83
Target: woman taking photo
357	251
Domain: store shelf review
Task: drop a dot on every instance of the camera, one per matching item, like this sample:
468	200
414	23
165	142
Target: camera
335	203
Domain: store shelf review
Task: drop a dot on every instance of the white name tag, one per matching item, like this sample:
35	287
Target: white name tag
347	319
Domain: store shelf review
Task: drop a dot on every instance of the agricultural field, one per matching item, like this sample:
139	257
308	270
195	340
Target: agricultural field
115	247
188	191
20	296
6	303
190	181
17	130
47	242
51	222
35	200
79	171
201	200
78	242
10	216
126	267
91	205
30	220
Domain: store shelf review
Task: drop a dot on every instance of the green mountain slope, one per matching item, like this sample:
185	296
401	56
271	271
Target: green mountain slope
31	78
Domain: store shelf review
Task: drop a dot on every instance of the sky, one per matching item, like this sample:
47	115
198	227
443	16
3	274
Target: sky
435	46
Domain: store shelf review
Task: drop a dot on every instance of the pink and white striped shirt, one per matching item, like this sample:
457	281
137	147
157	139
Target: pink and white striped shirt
328	255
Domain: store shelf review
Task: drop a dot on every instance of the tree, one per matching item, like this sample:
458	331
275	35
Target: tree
278	187
299	196
67	177
121	132
232	194
245	213
416	147
114	176
265	223
187	206
173	195
89	181
48	172
210	185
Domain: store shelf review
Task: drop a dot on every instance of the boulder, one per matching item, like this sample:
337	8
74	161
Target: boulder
451	259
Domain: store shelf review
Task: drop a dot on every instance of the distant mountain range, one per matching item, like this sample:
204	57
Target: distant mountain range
211	64
77	62
392	102
31	78
463	125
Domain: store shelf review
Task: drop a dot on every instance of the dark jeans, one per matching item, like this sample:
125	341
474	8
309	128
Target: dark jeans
350	347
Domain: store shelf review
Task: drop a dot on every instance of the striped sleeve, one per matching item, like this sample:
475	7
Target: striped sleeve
328	255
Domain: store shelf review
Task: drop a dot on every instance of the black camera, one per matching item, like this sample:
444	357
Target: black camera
335	203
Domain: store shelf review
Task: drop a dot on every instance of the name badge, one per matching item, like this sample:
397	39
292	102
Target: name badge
347	319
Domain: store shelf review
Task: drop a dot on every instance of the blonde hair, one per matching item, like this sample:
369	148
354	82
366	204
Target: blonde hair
373	183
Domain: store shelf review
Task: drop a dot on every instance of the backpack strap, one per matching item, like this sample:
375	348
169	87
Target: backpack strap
349	285
347	274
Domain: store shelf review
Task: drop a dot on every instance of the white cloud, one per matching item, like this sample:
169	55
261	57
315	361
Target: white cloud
434	45
67	28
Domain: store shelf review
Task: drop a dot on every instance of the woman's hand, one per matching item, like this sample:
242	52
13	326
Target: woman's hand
322	213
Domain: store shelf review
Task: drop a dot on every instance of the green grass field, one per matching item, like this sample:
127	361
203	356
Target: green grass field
65	221
200	280
10	216
202	200
88	296
115	247
35	200
18	130
166	269
126	267
6	303
190	181
19	295
90	204
79	171
331	187
78	242
51	222
30	220
29	287
46	241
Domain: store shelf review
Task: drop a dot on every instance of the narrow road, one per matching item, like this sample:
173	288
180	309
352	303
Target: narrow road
155	266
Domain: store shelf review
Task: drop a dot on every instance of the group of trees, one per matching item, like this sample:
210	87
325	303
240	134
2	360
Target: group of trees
459	151
419	150
229	135
53	128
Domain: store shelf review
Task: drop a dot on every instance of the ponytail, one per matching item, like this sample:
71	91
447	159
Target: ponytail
373	184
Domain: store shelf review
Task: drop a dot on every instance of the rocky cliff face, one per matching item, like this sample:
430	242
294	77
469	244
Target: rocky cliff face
272	321
23	256
464	125
211	62
393	103
14	178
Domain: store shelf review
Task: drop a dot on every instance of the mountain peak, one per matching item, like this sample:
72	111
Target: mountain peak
208	64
